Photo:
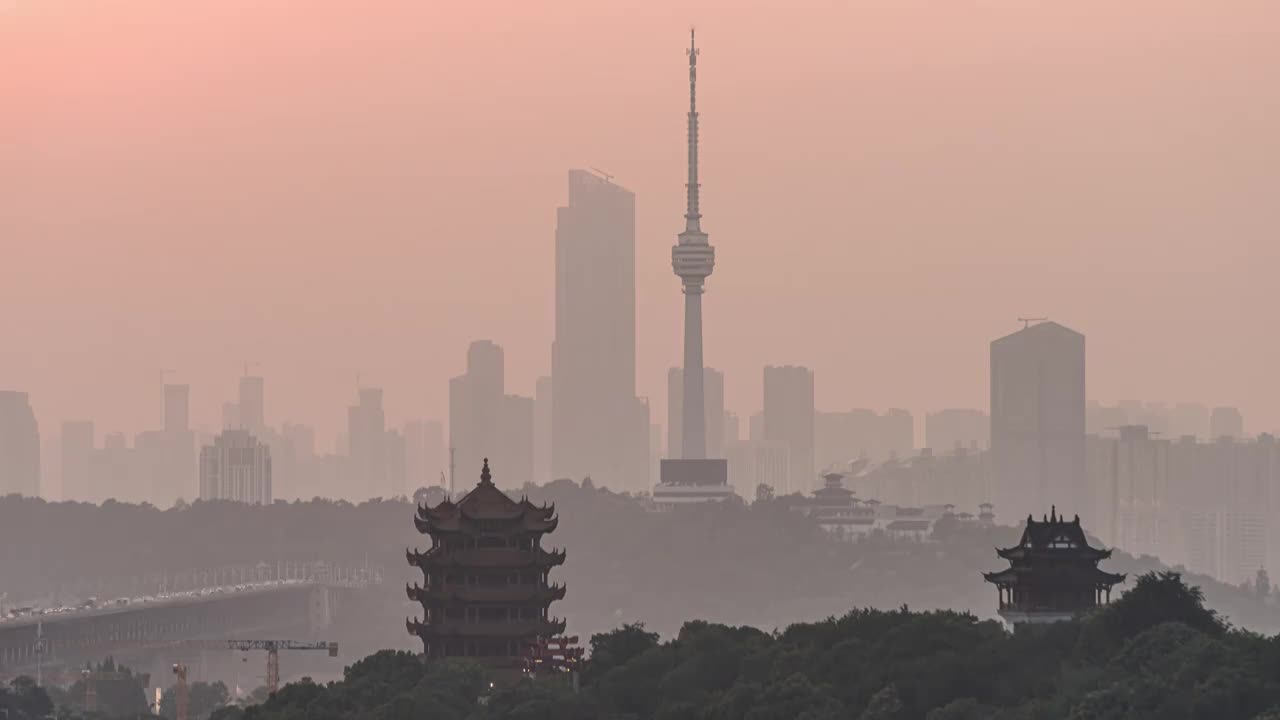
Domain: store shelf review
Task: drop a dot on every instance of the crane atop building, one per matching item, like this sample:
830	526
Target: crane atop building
1026	321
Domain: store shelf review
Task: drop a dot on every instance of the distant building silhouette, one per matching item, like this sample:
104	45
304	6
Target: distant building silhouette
1226	422
713	404
367	471
542	422
80	476
19	445
425	457
253	404
516	438
1038	418
840	437
1208	506
789	422
598	426
946	430
177	409
236	467
476	401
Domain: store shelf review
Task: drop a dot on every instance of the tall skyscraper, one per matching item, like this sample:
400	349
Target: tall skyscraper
713	412
475	408
424	454
236	467
77	448
177	408
1038	454
593	357
542	399
789	423
367	436
516	440
252	404
19	445
693	259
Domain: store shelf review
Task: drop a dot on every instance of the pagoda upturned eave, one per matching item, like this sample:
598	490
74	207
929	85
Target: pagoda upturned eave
480	595
530	628
1091	575
531	520
441	558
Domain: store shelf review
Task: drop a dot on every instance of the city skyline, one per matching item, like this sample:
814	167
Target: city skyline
870	204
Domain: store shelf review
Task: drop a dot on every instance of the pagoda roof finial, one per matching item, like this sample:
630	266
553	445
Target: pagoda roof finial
485	477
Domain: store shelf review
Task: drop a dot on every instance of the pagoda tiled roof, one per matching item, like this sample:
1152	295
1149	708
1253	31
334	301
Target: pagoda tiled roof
1053	537
440	557
479	594
486	503
1078	575
528	628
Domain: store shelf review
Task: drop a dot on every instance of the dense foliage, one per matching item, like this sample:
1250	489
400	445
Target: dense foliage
1158	654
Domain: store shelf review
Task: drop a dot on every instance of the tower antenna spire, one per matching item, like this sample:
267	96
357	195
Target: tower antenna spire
693	259
692	216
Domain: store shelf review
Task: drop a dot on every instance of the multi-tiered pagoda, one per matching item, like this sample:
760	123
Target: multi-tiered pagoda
486	590
1053	573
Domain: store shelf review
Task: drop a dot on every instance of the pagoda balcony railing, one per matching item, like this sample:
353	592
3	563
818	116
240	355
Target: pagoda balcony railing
441	557
506	594
461	628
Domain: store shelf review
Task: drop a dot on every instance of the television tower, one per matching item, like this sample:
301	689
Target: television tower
693	258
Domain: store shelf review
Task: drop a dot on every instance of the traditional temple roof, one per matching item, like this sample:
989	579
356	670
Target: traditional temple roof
1053	536
522	594
486	504
1069	575
544	628
485	557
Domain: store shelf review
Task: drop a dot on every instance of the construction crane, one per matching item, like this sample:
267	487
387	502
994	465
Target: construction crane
1026	322
273	648
607	177
181	693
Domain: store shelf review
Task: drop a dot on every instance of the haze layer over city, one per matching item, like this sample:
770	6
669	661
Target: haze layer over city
637	341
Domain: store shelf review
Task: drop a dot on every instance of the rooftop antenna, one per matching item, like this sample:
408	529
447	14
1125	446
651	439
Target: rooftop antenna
1026	321
607	177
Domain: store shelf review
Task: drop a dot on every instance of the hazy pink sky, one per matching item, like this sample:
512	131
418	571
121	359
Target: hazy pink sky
340	188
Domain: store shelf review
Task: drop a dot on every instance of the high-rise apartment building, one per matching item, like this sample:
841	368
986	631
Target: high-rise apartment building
593	357
236	467
789	423
1038	421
